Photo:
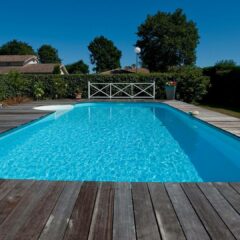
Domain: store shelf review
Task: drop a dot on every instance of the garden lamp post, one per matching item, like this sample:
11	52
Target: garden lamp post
137	50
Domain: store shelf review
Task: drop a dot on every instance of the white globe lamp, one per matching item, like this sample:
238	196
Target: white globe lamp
137	50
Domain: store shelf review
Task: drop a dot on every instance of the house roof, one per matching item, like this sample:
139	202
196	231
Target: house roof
139	70
126	70
16	58
32	69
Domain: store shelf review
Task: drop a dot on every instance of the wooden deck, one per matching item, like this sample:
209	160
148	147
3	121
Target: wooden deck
222	121
126	211
119	211
17	115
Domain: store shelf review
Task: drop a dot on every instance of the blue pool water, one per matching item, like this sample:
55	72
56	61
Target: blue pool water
144	142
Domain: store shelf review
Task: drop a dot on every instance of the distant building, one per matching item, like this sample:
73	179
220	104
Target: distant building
27	64
127	70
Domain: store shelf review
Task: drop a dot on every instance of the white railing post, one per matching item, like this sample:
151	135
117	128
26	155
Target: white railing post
154	90
131	90
89	91
110	90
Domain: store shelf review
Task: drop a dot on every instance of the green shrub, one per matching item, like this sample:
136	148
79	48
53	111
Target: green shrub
224	86
191	84
59	88
38	90
3	89
14	85
56	69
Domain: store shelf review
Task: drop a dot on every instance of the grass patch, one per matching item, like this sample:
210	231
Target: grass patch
231	111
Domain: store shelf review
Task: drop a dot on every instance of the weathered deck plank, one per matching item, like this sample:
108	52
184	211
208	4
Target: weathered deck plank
230	217
57	210
58	221
123	223
32	228
230	194
6	187
146	223
211	220
10	201
188	218
102	222
168	223
236	186
23	210
79	223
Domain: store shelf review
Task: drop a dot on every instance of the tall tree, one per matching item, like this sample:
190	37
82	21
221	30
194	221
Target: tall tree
104	54
15	47
167	40
48	54
78	67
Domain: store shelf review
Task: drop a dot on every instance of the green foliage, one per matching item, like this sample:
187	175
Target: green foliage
104	54
17	84
56	69
38	90
59	88
4	93
48	54
191	84
78	68
224	86
225	64
16	48
167	40
14	84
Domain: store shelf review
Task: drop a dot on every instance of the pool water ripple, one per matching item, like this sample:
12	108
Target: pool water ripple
119	142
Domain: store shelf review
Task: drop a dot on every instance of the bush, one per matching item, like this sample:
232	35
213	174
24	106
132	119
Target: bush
224	86
191	86
59	88
14	85
38	90
57	69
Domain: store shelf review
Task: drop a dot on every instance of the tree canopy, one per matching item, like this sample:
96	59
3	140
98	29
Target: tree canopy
104	54
167	40
226	64
48	54
78	67
15	47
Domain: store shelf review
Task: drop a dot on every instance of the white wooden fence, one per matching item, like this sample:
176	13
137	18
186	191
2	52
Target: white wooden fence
121	90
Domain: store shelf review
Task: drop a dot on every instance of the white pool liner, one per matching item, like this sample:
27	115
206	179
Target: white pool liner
59	109
54	108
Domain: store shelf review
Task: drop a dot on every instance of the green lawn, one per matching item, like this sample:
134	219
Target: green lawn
235	112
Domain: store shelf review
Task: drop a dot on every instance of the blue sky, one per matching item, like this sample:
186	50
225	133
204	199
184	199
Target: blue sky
70	25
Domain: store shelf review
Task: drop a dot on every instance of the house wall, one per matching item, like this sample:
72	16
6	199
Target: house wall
61	71
33	61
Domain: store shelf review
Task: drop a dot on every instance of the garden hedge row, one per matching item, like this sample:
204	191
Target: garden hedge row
191	84
224	88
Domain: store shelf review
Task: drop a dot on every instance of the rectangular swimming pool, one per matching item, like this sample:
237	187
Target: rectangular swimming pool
124	142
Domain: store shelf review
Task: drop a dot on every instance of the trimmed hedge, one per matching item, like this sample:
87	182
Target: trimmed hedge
224	88
191	84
